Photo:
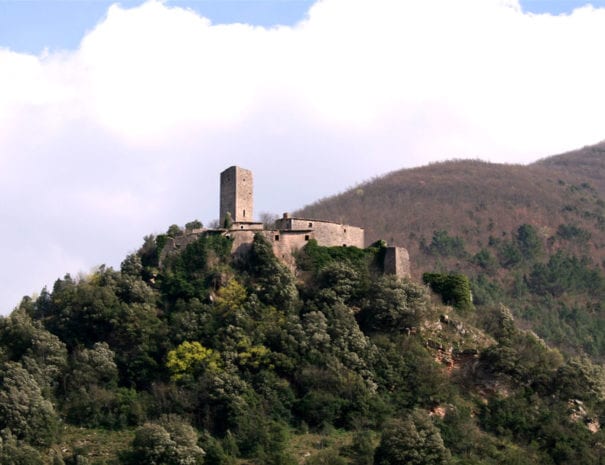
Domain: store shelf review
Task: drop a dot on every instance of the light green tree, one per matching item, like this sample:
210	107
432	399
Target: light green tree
189	357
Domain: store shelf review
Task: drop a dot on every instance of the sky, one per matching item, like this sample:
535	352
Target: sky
117	118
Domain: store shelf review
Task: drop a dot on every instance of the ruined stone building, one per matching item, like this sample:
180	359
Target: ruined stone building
289	234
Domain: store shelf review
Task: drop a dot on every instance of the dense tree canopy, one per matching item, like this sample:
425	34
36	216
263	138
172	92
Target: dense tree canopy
190	357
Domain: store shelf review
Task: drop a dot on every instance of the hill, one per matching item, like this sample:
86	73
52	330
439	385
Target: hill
474	217
476	200
202	359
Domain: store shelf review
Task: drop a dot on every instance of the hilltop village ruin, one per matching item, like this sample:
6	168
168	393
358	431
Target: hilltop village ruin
289	234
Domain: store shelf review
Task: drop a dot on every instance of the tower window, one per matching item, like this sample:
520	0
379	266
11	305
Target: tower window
244	213
306	237
310	225
277	237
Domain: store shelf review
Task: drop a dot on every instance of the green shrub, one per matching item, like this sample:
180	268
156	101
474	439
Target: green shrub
445	245
454	289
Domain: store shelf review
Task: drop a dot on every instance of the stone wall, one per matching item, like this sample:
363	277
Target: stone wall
324	232
397	262
237	194
285	243
251	225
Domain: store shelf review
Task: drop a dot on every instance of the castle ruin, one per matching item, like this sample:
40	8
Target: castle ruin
289	234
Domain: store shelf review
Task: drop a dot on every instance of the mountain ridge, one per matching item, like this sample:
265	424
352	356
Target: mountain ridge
418	199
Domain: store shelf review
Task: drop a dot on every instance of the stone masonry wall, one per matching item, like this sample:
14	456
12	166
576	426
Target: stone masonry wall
397	262
285	243
326	233
237	194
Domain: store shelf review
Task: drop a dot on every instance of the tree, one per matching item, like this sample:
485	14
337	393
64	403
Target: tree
446	245
23	409
454	289
231	297
91	396
339	282
393	305
227	221
14	452
169	442
268	219
528	241
195	224
412	441
174	230
272	281
362	447
40	352
189	357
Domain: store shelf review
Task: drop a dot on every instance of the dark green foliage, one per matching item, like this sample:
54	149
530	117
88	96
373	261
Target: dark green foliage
247	353
215	453
545	425
563	273
362	448
15	452
314	257
272	282
189	274
227	221
486	291
91	395
23	409
169	442
408	370
263	440
42	353
150	254
174	231
454	289
393	305
528	241
520	355
195	224
459	432
338	282
413	440
580	379
445	245
571	232
486	261
509	254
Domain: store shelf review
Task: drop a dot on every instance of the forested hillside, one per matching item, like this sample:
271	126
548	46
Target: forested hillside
201	359
531	237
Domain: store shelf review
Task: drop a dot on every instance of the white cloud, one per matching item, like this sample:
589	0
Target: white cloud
127	134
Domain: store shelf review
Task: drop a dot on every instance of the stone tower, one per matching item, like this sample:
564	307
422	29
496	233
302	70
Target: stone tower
236	194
